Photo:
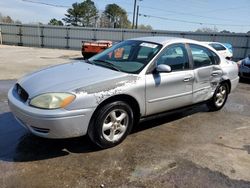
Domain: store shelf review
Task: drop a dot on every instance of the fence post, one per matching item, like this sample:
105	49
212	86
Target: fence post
42	35
122	30
20	33
95	34
1	38
247	46
67	38
214	36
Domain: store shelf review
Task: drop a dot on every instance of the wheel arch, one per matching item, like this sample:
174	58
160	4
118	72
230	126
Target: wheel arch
131	101
228	83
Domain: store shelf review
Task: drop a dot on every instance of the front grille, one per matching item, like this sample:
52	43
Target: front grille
22	93
40	130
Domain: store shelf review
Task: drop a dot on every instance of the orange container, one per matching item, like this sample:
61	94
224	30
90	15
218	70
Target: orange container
90	48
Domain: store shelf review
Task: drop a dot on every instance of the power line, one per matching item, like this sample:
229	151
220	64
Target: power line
47	4
226	9
183	13
192	22
160	17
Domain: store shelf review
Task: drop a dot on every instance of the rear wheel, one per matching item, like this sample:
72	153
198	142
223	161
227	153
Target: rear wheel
112	124
219	98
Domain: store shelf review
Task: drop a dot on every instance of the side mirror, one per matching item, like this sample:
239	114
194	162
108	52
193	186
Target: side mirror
163	68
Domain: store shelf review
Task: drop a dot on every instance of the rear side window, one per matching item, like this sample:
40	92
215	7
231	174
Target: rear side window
202	56
217	46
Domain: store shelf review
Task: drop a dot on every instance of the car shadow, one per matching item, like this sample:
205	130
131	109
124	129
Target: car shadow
18	145
22	146
33	148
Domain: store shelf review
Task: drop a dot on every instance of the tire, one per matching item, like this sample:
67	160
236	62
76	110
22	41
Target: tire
111	124
219	98
87	55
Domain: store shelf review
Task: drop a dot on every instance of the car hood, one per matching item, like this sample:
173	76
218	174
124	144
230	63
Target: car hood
66	78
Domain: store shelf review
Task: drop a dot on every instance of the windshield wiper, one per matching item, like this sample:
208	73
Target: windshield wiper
110	65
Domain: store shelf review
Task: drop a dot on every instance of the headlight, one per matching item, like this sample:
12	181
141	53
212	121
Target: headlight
52	100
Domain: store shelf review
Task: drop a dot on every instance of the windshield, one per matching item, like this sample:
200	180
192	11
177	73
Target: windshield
129	56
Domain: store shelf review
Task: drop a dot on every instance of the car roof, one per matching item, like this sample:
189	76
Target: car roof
164	40
206	42
169	40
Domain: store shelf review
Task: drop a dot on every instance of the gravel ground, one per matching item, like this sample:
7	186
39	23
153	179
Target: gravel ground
17	61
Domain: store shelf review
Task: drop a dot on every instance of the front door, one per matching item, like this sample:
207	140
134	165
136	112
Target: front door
166	91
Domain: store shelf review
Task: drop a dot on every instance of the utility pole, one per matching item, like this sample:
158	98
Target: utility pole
137	16
133	24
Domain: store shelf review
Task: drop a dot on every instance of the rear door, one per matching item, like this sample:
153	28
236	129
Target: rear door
207	72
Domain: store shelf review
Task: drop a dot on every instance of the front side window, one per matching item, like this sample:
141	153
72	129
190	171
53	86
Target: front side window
202	56
175	56
129	56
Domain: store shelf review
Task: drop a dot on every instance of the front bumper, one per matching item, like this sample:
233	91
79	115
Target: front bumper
59	123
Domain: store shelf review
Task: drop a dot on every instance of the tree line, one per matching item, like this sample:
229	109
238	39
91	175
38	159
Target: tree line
8	19
85	14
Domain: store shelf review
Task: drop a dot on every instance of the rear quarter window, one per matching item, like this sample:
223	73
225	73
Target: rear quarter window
217	47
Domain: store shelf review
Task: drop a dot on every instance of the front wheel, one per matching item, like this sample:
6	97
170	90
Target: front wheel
219	98
112	124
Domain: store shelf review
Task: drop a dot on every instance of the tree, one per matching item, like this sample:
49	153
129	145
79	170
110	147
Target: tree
7	19
118	16
55	22
207	30
145	27
82	14
74	15
225	31
105	21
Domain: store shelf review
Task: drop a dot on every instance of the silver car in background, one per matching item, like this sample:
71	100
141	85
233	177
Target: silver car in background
106	95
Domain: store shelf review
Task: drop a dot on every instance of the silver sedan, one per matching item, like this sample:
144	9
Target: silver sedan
106	95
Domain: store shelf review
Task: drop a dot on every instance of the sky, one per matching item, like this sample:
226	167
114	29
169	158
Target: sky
173	15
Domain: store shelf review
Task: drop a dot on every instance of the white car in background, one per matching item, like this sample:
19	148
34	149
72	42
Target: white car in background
221	49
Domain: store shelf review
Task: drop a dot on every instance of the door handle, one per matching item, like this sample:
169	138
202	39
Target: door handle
187	79
214	74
